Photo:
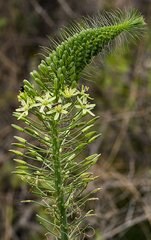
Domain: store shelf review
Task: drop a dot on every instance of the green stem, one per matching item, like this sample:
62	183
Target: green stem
58	183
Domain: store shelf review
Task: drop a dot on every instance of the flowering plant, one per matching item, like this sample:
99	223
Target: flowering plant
53	116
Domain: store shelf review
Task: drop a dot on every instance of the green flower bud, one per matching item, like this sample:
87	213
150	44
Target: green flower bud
61	78
27	83
22	167
81	124
43	69
53	66
18	153
71	64
33	92
56	83
39	116
17	127
95	159
91	157
73	77
20	161
64	57
42	141
96	190
74	48
90	134
74	84
39	82
59	71
21	173
87	180
80	52
86	164
93	120
48	60
72	70
87	174
72	57
32	153
87	128
55	59
61	62
50	56
20	139
73	126
71	41
38	173
18	145
79	59
44	63
27	89
34	74
82	145
94	138
63	69
31	131
67	47
66	53
60	51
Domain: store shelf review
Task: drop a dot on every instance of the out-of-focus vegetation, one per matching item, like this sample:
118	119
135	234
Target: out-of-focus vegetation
122	91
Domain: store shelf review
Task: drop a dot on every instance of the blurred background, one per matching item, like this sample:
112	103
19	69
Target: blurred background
122	91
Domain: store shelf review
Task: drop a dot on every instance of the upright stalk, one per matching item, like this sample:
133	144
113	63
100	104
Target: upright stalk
58	183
